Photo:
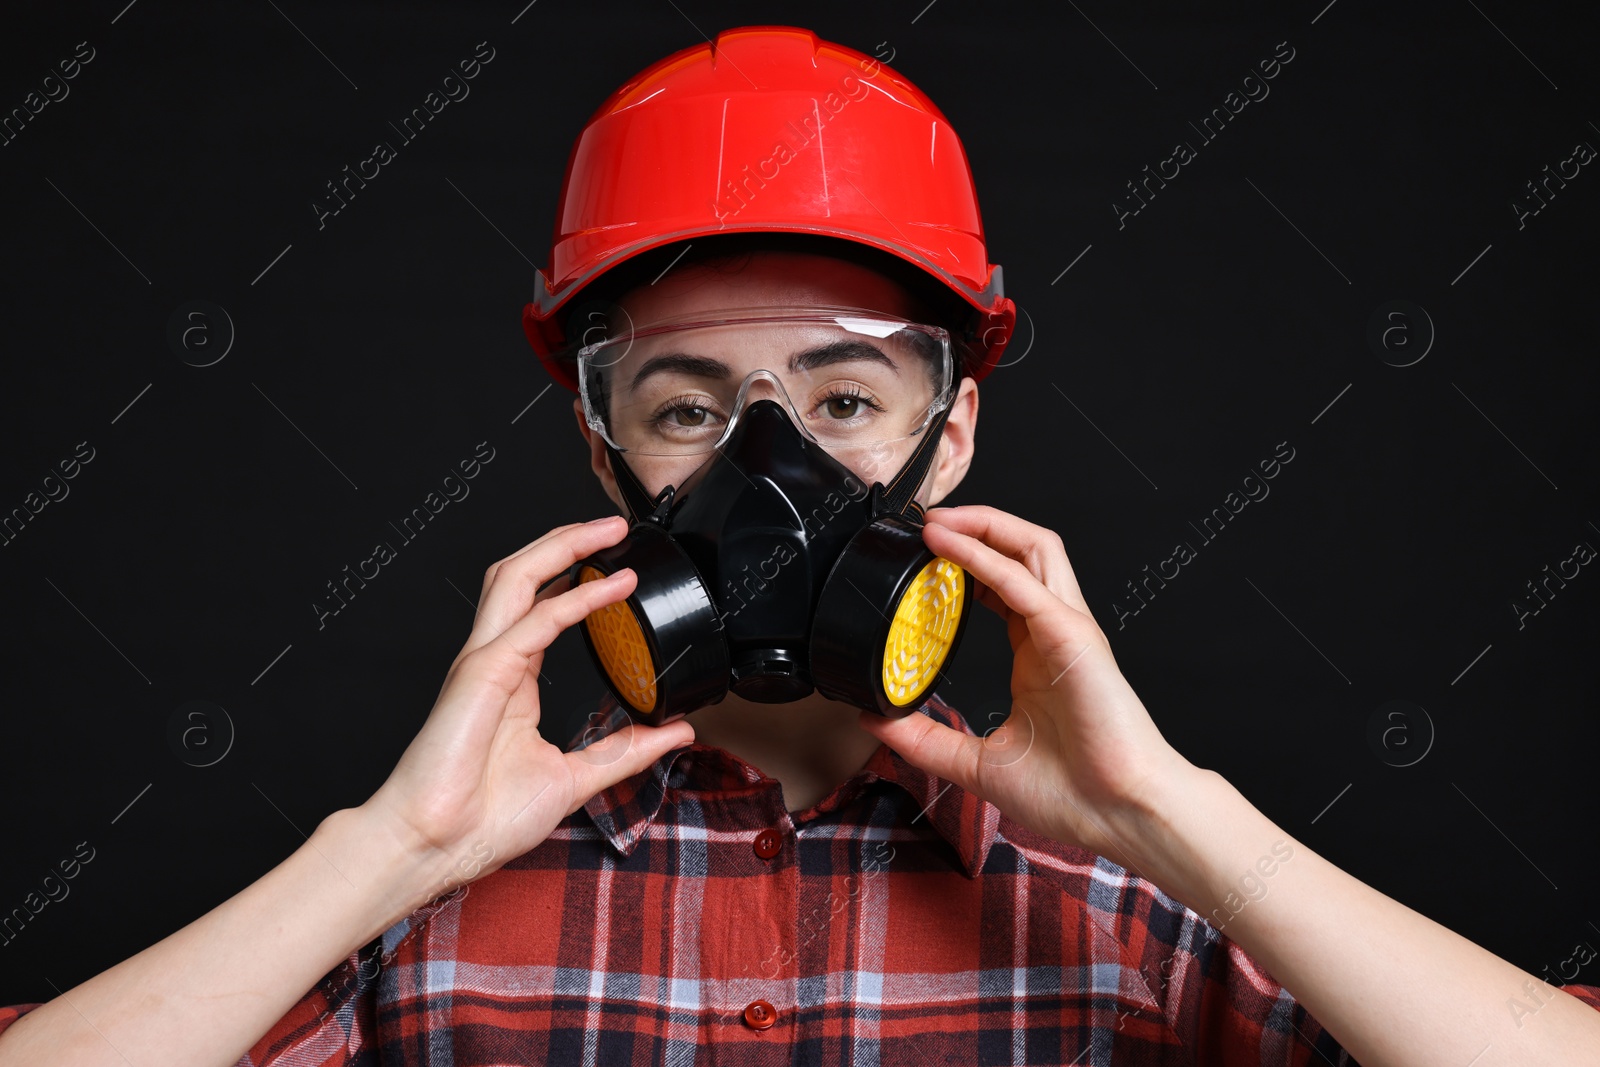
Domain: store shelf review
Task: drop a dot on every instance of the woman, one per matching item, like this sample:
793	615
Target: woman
783	875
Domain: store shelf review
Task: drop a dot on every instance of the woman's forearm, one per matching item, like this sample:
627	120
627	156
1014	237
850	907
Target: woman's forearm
204	995
1391	985
478	780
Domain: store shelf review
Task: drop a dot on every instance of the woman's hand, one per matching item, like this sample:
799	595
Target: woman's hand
1079	752
1080	760
479	786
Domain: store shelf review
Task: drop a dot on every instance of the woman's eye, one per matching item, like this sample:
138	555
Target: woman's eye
690	415
843	407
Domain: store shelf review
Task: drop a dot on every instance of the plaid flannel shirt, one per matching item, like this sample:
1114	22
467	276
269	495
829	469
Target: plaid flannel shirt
684	916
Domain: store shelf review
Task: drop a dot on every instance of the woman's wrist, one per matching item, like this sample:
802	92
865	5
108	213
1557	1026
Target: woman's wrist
1187	830
394	871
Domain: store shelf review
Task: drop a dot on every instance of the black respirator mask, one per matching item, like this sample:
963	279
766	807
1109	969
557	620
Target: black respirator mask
773	571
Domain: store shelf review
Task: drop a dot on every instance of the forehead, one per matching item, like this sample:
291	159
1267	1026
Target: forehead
766	279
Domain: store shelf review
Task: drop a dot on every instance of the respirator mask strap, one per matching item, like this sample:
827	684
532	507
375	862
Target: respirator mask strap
897	495
641	505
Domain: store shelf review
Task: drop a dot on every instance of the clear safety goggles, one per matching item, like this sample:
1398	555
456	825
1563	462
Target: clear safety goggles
849	378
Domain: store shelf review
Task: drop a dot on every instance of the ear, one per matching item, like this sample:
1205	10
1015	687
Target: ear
599	458
956	445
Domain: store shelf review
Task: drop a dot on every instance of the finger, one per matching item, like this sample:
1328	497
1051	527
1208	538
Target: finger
495	569
511	591
1059	631
622	754
932	746
502	666
1015	584
1039	548
488	576
554	587
990	599
538	629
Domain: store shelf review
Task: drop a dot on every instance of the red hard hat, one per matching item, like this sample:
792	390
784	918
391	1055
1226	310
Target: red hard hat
769	129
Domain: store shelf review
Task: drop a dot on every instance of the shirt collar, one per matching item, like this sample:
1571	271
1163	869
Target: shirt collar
623	812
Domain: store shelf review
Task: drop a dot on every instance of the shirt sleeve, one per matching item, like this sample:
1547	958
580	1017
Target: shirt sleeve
12	1012
1589	994
1233	1011
331	1026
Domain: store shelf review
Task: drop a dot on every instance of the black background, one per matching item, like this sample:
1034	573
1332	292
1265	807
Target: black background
1147	382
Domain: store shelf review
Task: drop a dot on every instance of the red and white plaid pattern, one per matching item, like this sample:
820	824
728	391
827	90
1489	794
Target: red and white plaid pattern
899	921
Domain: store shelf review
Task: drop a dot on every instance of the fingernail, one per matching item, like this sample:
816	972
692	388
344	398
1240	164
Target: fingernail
602	520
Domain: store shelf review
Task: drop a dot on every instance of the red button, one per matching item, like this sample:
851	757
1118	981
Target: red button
759	1015
767	845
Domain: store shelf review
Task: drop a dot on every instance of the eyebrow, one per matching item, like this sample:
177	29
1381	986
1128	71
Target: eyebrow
843	351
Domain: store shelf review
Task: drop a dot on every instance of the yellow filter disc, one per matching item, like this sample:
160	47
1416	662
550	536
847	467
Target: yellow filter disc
923	628
619	641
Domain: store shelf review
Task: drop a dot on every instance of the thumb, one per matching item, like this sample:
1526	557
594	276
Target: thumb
932	746
622	754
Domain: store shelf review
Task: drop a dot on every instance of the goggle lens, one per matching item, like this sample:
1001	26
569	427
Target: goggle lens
850	379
